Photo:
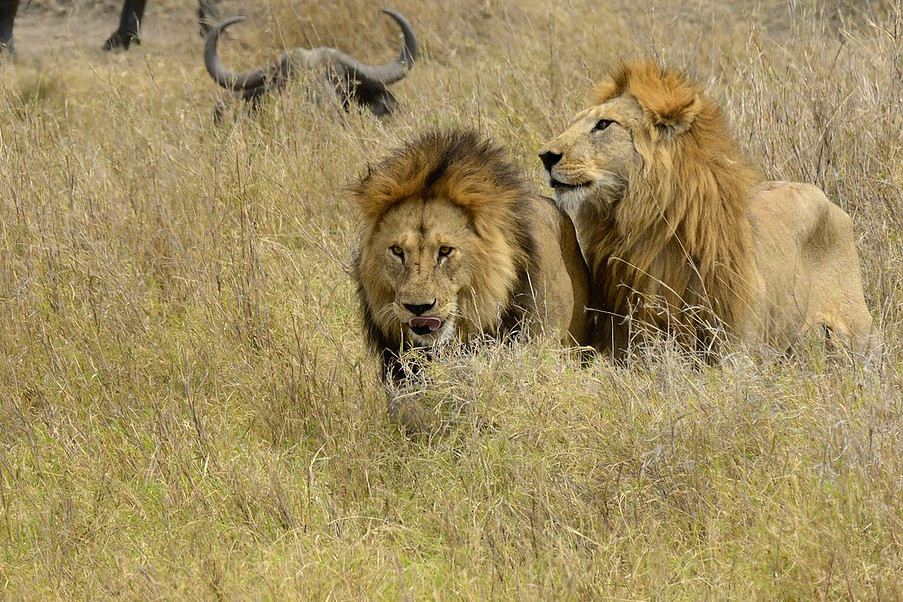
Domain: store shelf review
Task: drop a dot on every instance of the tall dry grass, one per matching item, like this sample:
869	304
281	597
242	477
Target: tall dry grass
187	408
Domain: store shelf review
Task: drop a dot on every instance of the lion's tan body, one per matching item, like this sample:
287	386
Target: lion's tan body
455	246
678	236
808	269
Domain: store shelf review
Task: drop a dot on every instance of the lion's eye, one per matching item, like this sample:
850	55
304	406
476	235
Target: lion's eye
397	251
602	124
445	251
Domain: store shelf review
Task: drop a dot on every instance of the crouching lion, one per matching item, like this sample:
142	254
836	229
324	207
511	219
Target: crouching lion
680	237
455	246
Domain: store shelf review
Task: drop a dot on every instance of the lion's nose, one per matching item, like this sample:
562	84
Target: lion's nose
549	159
418	309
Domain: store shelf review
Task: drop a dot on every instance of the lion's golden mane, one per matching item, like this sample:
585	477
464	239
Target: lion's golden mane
682	242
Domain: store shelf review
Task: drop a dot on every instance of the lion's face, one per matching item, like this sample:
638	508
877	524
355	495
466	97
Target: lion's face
596	156
420	258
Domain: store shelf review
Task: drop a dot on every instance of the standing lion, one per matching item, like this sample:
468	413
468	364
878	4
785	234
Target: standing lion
679	236
455	246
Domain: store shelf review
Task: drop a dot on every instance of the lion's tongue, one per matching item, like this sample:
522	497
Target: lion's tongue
430	322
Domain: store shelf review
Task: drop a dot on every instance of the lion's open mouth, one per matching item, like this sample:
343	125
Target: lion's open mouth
560	186
422	325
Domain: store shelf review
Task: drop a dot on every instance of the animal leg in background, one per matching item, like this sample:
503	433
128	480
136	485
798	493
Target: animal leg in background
8	10
129	22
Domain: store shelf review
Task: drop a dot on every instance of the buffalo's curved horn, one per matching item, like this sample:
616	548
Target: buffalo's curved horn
243	82
224	76
397	69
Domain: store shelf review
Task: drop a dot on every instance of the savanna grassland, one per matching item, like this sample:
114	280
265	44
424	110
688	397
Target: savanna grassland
187	409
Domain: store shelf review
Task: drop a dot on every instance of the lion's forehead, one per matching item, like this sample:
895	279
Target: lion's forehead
622	109
585	113
432	222
593	113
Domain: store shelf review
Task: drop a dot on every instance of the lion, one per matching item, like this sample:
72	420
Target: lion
455	246
681	236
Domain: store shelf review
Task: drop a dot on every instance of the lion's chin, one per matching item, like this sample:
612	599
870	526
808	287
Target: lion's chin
569	198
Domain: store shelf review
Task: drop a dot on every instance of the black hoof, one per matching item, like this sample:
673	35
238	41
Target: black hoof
121	40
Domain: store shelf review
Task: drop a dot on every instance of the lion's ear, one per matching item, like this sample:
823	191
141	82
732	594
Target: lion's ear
672	108
676	118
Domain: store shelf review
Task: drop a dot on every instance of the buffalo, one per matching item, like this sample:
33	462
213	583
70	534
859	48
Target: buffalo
352	80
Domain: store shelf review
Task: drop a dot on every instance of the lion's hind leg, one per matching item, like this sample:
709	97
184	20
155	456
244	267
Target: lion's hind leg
837	299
